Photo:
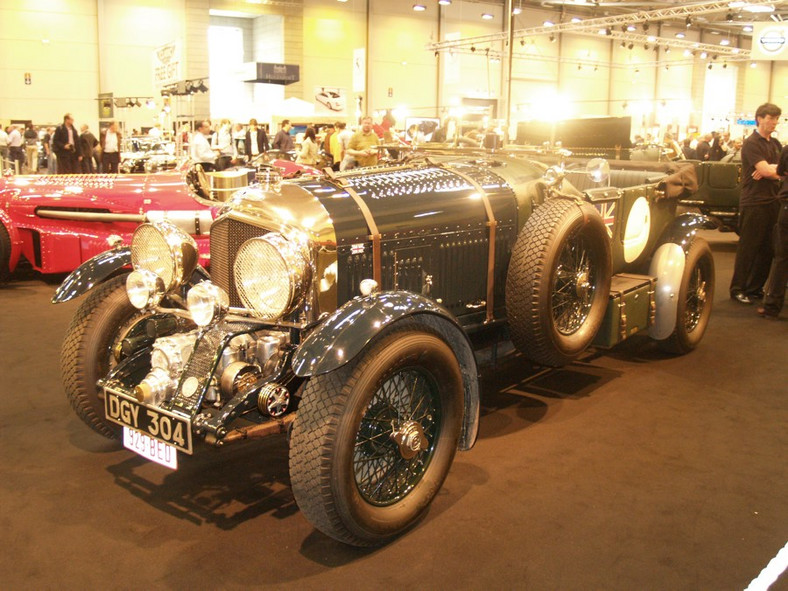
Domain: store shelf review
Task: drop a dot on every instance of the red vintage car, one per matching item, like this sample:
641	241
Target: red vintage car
57	222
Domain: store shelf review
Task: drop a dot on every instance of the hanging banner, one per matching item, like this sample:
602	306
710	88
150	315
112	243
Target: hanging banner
359	69
769	41
166	64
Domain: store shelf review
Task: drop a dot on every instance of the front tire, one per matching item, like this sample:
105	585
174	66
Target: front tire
696	295
374	440
100	323
558	282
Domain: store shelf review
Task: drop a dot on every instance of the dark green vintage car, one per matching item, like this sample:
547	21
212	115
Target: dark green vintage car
345	310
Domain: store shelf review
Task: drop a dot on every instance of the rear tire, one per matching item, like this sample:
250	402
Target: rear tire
558	281
696	295
98	325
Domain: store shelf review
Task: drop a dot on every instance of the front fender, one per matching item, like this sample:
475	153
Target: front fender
91	273
347	331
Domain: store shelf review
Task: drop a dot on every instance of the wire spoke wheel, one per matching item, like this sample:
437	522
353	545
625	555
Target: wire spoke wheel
374	439
396	437
696	300
573	288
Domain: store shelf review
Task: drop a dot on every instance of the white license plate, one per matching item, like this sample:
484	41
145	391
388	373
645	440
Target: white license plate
151	449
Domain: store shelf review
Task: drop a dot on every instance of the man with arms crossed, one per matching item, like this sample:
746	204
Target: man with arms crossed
758	207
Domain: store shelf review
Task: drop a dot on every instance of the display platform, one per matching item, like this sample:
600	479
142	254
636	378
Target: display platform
627	470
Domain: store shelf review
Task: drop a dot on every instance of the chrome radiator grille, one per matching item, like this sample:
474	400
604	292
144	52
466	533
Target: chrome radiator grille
227	236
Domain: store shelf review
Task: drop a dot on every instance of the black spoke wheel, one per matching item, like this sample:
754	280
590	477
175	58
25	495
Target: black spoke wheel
696	295
89	349
373	440
558	281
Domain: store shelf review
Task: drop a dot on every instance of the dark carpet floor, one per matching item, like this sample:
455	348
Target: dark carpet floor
629	470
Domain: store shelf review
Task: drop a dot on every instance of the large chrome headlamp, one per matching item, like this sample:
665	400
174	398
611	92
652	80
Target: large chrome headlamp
165	251
207	303
144	289
271	275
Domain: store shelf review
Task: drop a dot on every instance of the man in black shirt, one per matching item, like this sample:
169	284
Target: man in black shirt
283	140
758	206
774	292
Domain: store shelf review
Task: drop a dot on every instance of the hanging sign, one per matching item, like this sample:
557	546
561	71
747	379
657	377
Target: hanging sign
167	64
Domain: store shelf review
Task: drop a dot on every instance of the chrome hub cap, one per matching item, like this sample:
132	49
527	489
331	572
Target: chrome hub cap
410	438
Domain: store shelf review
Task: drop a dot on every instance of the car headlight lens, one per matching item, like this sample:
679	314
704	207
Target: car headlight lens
164	250
271	275
207	303
144	289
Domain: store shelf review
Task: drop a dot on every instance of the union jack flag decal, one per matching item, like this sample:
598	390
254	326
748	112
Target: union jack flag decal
607	209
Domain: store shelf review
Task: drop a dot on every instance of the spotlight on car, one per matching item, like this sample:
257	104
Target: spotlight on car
207	303
144	289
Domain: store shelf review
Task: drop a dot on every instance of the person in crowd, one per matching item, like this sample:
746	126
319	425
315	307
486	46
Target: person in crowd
66	146
687	150
283	140
87	143
774	292
31	148
47	143
717	149
703	148
758	206
339	142
308	154
110	149
200	147
222	143
16	151
328	131
673	150
362	147
734	154
255	140
3	146
239	143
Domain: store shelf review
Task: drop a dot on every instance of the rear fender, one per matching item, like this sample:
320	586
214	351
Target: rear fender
683	229
16	240
349	330
667	266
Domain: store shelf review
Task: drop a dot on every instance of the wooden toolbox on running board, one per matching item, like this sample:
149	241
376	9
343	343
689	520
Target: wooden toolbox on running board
630	309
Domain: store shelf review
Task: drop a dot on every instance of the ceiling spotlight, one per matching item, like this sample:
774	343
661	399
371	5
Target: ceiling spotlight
645	26
725	41
576	19
667	67
703	55
419	7
687	53
579	67
516	10
436	53
680	35
623	44
688	21
729	17
667	49
645	46
522	42
487	16
444	2
709	66
137	103
552	38
656	48
715	56
473	48
596	67
631	45
747	28
753	65
725	65
548	24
